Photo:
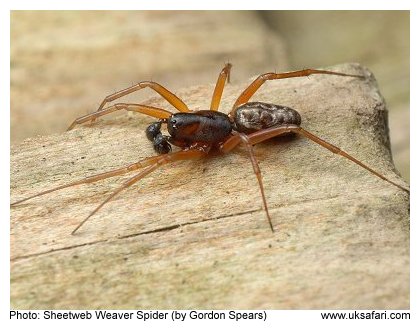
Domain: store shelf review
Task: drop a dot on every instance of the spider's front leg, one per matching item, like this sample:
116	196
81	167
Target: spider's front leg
147	110
165	93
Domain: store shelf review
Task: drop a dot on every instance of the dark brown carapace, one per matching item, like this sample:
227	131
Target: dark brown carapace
198	133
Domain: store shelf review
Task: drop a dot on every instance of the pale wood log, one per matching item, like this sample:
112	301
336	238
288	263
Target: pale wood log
194	234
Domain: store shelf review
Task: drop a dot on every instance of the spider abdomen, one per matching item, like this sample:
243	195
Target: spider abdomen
255	116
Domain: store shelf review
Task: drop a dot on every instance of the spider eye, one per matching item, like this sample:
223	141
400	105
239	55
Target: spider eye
173	121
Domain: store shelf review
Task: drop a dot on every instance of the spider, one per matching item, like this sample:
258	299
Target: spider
200	132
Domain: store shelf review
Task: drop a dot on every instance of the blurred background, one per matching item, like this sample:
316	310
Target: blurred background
63	63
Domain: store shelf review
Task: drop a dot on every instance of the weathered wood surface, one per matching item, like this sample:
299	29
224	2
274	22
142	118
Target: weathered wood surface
194	234
64	62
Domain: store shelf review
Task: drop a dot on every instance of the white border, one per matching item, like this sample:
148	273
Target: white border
283	319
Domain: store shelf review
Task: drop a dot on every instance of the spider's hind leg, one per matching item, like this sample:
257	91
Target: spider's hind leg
261	79
263	135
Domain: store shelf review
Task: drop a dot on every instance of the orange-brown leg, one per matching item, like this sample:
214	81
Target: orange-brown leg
149	165
147	110
260	80
159	161
260	136
165	93
220	84
236	139
94	178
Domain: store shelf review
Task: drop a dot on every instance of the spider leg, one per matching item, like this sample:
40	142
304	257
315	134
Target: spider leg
260	80
165	93
266	134
147	110
236	139
159	161
220	84
94	178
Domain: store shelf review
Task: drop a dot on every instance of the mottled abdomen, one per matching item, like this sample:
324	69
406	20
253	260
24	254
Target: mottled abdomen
254	116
